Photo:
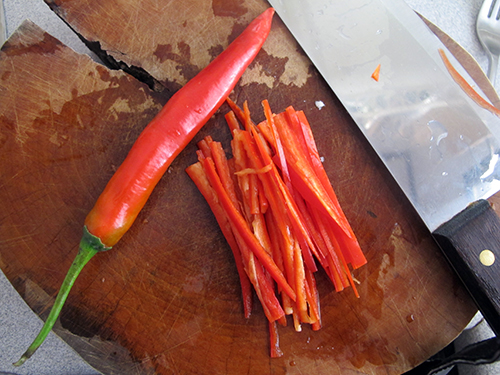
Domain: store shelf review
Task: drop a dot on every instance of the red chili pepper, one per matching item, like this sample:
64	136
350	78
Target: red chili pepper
169	132
153	152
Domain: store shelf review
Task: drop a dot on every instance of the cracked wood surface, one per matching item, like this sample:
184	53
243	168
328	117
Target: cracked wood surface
166	299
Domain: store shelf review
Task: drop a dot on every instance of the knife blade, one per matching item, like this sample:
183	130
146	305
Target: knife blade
441	147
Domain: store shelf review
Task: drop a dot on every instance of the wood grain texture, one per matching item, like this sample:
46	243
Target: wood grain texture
166	299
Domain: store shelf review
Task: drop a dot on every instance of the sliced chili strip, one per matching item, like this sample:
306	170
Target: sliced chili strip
232	121
265	291
290	217
313	297
222	165
297	160
292	210
236	109
276	142
274	340
245	231
197	174
468	89
355	254
300	285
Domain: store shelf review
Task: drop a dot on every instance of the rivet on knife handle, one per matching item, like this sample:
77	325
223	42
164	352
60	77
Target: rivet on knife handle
471	242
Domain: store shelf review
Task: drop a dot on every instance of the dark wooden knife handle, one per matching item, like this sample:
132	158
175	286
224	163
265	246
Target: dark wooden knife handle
470	242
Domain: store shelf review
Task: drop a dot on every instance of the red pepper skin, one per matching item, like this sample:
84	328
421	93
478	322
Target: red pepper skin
169	133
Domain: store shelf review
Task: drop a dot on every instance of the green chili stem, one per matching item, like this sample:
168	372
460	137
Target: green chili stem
89	246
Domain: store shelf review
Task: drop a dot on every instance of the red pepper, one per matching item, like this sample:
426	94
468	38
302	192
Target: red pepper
169	132
160	142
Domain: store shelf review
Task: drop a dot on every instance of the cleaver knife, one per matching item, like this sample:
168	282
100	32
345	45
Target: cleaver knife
441	147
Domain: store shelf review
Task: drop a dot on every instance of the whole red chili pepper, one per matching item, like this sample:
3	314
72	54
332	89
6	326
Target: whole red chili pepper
153	152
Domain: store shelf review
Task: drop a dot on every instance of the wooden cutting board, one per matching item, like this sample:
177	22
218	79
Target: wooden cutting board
166	299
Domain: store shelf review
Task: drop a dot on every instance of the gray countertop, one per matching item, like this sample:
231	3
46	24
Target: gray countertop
18	323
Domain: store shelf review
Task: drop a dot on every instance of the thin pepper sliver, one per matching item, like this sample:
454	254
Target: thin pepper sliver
376	73
464	85
302	223
157	146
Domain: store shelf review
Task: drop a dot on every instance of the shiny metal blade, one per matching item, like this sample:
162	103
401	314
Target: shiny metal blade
440	146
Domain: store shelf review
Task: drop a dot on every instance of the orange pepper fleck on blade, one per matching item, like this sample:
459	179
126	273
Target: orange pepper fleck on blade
376	73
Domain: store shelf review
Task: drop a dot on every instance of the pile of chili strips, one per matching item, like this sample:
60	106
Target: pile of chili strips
279	214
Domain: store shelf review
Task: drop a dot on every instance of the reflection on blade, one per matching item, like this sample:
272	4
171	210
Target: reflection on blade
440	146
